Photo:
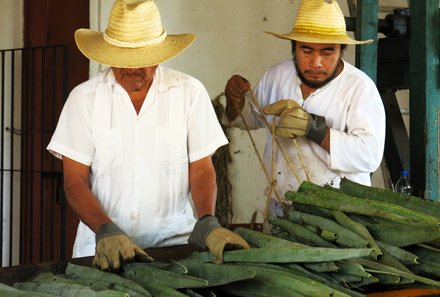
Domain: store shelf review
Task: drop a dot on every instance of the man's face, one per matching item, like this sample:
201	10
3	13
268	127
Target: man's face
317	63
134	79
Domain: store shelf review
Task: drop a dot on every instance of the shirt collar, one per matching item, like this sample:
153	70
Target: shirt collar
164	79
108	76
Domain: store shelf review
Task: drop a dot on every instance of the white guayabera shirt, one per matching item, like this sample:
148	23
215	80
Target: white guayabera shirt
139	162
354	112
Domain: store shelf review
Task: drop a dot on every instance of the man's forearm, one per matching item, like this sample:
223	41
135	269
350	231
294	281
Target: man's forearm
79	195
86	206
203	186
325	143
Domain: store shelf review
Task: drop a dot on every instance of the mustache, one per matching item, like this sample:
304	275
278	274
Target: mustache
133	73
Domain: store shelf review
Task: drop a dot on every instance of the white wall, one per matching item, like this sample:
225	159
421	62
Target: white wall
230	40
11	24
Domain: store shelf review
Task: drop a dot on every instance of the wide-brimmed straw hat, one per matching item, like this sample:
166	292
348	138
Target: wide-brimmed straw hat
134	37
320	21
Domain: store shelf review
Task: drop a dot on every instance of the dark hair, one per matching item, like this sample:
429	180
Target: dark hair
293	43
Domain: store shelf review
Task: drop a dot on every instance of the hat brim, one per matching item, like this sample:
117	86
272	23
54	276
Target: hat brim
92	44
316	38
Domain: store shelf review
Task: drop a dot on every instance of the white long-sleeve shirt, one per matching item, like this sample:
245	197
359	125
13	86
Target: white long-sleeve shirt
354	112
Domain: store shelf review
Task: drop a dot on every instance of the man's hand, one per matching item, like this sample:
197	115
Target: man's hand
296	121
113	245
209	234
235	89
221	238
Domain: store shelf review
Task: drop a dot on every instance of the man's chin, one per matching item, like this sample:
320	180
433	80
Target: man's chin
134	88
314	83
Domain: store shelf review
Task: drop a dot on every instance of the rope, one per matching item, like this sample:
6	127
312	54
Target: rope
275	140
222	158
275	143
269	179
306	170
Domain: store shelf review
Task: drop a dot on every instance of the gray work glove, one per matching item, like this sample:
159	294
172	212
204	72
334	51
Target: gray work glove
112	245
296	121
208	233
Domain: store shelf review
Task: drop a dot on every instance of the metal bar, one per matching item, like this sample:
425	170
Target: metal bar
42	197
11	181
31	157
424	97
65	72
2	135
396	152
24	94
53	183
367	28
65	93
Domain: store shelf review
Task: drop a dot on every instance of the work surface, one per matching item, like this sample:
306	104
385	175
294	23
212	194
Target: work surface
12	274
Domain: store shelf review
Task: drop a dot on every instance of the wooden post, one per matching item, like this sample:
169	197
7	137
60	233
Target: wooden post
425	97
367	28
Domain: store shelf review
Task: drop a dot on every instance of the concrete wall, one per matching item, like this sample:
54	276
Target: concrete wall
11	24
230	40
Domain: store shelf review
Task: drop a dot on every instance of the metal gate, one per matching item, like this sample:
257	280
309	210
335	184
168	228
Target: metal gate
33	88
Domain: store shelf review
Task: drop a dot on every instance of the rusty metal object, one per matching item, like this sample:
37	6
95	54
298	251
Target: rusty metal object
414	292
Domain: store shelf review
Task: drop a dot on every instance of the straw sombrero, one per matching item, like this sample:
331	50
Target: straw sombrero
134	37
320	21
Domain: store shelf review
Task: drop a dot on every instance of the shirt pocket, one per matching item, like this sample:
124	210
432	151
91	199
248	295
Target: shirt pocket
171	146
107	150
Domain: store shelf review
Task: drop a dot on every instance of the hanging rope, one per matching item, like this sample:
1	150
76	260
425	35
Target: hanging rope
278	145
260	159
303	164
222	158
275	144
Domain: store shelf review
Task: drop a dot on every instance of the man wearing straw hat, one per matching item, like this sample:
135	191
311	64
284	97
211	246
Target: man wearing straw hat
329	117
136	143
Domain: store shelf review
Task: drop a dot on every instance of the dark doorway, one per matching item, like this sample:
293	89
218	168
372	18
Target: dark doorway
44	212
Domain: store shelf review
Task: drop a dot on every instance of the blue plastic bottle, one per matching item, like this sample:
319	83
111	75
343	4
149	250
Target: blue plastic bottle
403	185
